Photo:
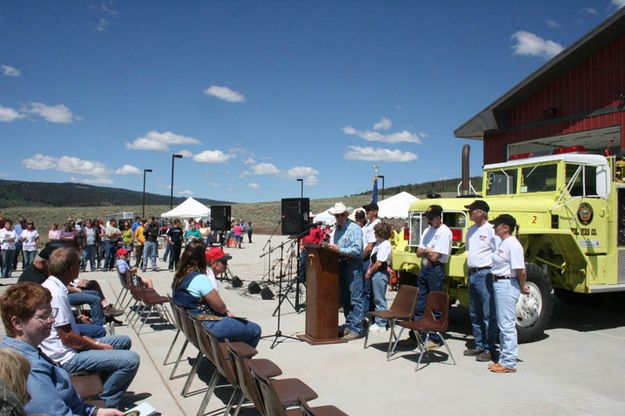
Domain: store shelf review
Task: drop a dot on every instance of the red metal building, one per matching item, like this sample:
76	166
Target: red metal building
578	97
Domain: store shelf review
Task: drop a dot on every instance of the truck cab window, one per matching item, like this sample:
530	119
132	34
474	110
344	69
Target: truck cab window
539	178
581	180
502	182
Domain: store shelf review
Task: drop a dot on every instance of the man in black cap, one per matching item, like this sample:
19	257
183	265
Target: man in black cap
481	244
434	248
37	271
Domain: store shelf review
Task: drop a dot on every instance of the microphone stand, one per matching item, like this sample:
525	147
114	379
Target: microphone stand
268	253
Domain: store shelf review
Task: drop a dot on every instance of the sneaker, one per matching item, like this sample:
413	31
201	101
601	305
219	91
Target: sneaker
473	352
350	336
498	368
483	357
432	345
377	328
111	311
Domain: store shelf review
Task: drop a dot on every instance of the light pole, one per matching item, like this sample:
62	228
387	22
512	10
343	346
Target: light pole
382	176
301	189
143	210
171	197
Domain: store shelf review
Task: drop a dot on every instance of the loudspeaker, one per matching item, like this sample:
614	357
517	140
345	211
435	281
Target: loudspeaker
253	288
295	215
220	217
266	293
236	282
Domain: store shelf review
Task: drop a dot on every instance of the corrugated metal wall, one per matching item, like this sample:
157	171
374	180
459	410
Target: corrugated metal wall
593	85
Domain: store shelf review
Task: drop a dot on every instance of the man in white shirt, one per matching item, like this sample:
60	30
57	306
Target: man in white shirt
481	244
371	211
434	248
76	353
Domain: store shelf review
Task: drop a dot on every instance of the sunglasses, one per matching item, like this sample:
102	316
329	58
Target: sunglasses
47	316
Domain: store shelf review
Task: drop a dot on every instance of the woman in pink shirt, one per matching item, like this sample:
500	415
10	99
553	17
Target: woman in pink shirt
54	234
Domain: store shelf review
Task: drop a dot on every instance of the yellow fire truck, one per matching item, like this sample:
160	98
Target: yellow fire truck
570	207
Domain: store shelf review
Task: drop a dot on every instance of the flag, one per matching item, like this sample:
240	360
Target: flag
374	192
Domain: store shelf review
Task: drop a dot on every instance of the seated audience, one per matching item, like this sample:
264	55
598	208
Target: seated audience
194	291
27	316
127	271
76	353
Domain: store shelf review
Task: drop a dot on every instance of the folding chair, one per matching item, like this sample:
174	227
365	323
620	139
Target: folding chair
176	311
402	308
435	320
320	410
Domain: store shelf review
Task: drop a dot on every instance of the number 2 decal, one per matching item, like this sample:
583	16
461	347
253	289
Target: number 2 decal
533	219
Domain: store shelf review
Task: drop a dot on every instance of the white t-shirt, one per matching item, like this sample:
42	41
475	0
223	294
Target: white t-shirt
481	244
7	238
382	251
52	346
508	257
437	239
29	240
368	232
212	278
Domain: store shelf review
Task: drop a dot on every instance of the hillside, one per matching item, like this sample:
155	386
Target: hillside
440	187
44	194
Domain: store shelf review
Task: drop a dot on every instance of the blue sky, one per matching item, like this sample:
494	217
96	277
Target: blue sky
256	94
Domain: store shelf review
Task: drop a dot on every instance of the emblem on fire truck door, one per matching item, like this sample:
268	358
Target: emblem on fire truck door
584	213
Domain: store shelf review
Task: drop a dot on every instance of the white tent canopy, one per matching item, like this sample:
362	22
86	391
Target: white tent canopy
190	208
325	217
396	206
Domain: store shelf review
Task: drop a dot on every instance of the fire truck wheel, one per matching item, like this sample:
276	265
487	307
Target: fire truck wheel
533	311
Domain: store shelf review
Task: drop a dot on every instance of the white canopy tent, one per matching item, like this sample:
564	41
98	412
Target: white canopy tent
190	208
325	217
396	206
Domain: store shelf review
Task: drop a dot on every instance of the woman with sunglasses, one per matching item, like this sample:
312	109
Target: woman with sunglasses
194	290
28	317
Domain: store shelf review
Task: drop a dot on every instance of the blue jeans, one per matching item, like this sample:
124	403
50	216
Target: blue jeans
117	367
352	295
93	330
430	279
507	294
379	282
482	309
92	298
235	330
7	262
88	254
29	257
111	255
149	251
167	251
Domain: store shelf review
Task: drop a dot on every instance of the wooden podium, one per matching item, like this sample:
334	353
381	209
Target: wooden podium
322	296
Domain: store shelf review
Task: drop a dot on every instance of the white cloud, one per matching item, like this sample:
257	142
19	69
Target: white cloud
253	185
102	25
128	170
185	153
154	140
265	169
53	113
311	180
403	136
186	192
8	114
378	154
69	164
552	23
224	93
249	161
618	3
9	71
531	45
383	124
40	162
211	156
97	181
590	10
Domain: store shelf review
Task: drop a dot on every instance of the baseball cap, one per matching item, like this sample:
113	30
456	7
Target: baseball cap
478	204
371	207
506	219
48	249
122	252
217	254
434	211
